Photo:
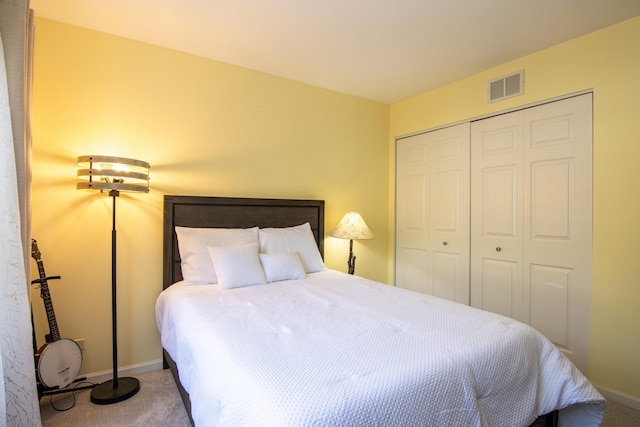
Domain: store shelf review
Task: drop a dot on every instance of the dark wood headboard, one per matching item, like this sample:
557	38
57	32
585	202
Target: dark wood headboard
231	212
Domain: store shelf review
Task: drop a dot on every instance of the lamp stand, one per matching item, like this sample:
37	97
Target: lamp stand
117	389
351	263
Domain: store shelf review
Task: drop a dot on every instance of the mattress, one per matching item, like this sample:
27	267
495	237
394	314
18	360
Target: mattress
335	349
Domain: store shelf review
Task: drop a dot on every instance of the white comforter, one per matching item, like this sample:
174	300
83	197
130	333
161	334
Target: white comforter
338	350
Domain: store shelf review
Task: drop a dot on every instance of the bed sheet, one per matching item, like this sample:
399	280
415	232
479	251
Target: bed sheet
335	349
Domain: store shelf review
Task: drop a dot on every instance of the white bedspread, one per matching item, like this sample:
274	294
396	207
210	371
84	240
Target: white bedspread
338	350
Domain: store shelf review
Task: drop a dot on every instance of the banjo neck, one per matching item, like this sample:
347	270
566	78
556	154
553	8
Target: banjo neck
45	294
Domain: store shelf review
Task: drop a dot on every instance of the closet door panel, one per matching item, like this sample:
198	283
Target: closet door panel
446	254
412	211
412	271
558	222
496	215
445	272
450	213
551	186
449	203
550	296
440	160
500	190
497	289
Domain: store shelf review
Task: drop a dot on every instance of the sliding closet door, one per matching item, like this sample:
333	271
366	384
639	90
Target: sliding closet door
531	229
432	213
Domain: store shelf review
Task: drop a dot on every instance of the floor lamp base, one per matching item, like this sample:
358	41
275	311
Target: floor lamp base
104	393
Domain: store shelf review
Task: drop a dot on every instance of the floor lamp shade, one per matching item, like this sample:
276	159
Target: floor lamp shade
352	227
113	174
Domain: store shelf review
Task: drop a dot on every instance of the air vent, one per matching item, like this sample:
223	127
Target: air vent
506	87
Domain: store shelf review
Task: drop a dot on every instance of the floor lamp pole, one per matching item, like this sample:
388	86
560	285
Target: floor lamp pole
114	309
117	389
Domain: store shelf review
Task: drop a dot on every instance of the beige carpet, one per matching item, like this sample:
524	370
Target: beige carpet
158	404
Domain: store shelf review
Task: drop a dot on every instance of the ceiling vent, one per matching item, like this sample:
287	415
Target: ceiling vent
506	87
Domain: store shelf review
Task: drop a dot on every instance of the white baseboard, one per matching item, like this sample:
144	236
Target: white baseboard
619	397
125	371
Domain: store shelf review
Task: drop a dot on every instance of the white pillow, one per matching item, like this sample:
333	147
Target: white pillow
195	261
237	266
282	266
293	239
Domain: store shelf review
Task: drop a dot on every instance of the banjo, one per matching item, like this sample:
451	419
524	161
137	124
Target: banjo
59	360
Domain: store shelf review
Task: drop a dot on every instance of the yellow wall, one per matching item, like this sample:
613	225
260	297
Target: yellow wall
607	62
206	128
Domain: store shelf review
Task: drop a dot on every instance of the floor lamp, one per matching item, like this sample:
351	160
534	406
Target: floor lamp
352	227
113	174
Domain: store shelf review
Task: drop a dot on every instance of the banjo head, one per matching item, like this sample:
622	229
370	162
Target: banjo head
59	363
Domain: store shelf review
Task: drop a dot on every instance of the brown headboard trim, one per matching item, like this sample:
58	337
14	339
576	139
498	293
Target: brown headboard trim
231	212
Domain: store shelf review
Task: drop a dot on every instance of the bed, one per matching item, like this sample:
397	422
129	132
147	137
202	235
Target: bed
287	342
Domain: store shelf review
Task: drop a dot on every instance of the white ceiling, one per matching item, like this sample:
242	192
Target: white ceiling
383	50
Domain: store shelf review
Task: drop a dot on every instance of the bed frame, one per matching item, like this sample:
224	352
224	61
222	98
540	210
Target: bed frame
229	212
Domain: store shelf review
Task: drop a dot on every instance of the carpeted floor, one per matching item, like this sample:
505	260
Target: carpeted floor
158	404
621	416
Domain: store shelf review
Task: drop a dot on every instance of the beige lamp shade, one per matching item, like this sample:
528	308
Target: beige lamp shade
112	173
352	227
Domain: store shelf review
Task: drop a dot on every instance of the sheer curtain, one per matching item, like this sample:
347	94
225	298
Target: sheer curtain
18	393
